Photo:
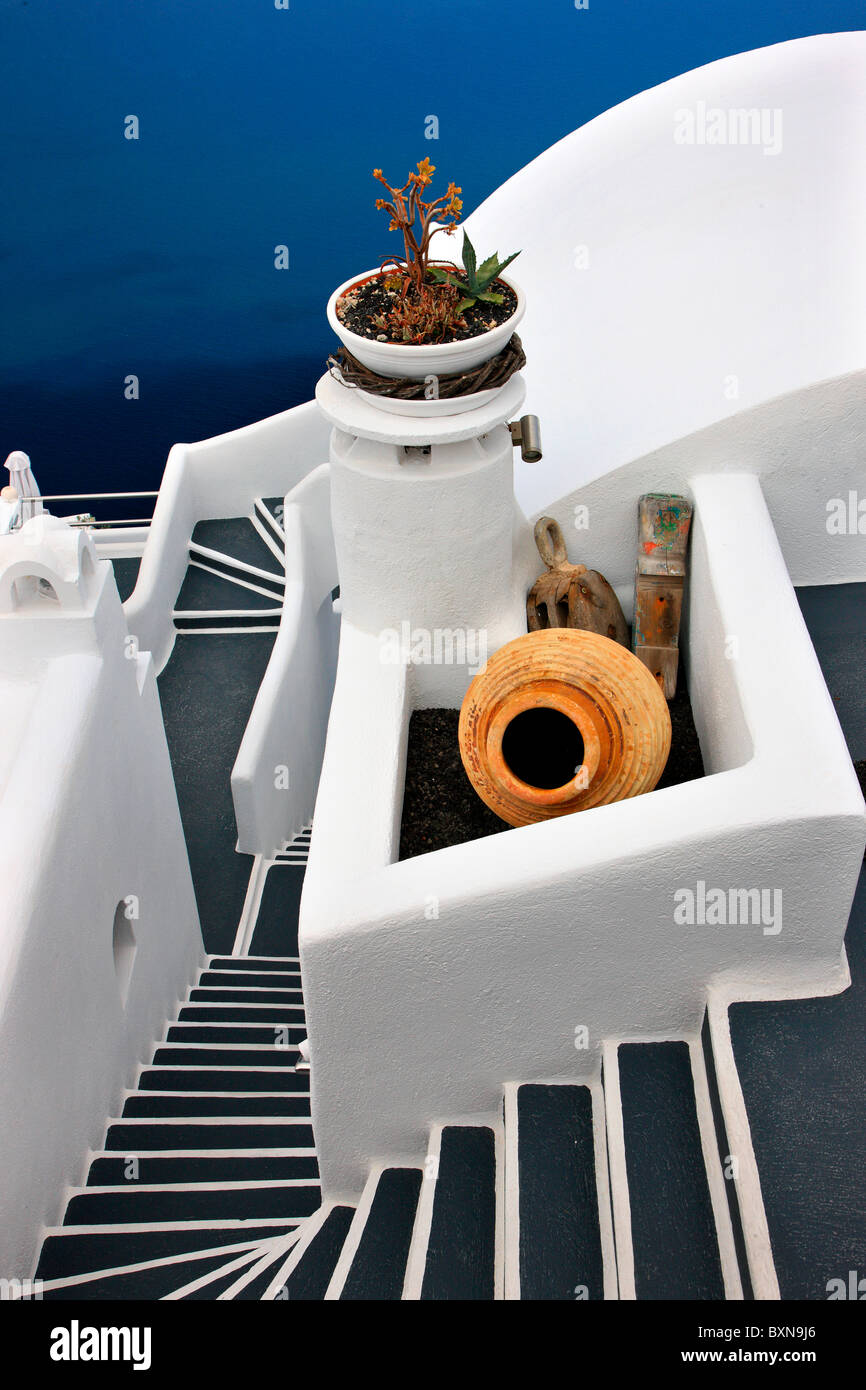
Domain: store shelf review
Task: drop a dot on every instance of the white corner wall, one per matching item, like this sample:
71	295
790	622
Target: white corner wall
88	819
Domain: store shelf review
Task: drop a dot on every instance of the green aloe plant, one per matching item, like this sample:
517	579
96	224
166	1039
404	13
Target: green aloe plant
473	285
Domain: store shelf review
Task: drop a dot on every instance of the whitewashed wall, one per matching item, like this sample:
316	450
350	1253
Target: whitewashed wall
809	451
672	286
429	983
276	772
695	321
88	817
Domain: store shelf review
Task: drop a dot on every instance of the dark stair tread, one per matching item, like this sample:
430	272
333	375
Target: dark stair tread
153	1283
138	1139
154	1168
207	691
673	1258
835	615
211	1291
221	1012
461	1249
168	1204
237	539
126	574
560	1236
177	1055
272	520
180	1106
234	995
256	1287
245	979
209	624
311	1276
212	1079
379	1266
276	927
276	506
202	590
235	1033
255	964
802	1068
65	1255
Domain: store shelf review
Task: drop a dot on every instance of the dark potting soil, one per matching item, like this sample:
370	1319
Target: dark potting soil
440	805
361	305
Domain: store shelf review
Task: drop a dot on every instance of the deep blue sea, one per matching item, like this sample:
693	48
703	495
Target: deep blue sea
259	126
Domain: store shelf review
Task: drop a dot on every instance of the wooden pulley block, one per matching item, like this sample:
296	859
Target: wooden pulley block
571	595
561	721
547	602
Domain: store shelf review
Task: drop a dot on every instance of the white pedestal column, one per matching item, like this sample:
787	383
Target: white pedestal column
423	514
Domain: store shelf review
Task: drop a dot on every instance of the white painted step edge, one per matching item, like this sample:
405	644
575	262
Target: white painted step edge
139	1266
271	1252
715	1176
610	1280
308	1231
267	535
268	519
511	1291
756	1233
619	1196
354	1234
416	1261
204	552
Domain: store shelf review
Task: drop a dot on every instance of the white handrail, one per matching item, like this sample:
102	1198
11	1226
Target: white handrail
118	521
91	496
217	477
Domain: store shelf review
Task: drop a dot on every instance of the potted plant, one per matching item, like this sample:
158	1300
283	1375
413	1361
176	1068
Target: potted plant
414	317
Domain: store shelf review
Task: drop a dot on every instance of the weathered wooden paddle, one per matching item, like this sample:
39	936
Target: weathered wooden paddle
664	521
571	595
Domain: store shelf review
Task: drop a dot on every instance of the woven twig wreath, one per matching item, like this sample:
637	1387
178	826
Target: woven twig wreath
488	376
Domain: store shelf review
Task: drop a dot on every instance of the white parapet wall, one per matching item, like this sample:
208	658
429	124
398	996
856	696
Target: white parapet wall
217	477
276	772
99	932
429	983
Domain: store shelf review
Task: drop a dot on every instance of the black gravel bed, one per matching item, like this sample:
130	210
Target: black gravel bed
440	805
684	763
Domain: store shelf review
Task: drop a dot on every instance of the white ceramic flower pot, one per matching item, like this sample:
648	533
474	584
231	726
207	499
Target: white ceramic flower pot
420	361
